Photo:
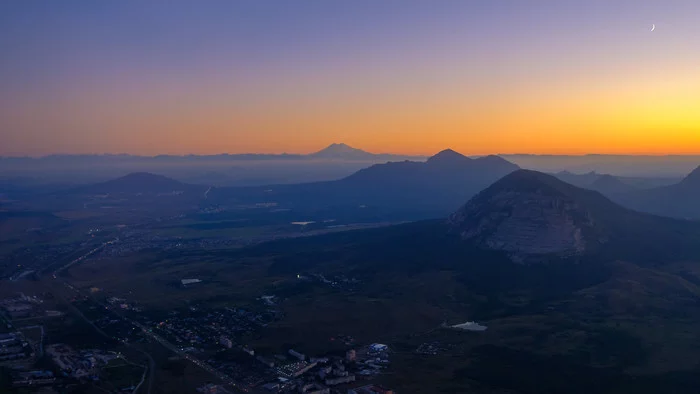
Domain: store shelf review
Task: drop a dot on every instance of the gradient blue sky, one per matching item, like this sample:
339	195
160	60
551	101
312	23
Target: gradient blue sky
402	76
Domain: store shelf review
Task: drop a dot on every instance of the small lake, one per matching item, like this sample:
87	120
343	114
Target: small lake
470	326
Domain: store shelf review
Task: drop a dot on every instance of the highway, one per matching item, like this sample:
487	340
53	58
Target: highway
86	255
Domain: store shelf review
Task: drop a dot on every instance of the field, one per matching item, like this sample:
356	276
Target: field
588	326
407	309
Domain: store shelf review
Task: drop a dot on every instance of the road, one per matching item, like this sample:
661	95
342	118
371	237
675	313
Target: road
162	341
151	363
148	332
86	255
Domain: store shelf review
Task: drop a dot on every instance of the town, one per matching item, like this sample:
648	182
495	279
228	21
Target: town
213	339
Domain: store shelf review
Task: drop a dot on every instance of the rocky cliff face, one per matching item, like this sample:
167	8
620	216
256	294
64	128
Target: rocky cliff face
527	213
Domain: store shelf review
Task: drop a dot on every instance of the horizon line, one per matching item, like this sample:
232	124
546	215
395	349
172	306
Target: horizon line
303	155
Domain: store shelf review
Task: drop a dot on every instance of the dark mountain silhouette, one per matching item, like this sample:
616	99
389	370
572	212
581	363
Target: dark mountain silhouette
619	285
136	196
531	213
138	182
448	157
580	180
610	185
604	183
681	200
692	180
473	173
571	238
427	189
342	151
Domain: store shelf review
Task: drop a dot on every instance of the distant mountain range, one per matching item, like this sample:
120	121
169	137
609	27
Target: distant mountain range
680	200
443	169
393	191
613	184
335	151
535	217
248	169
604	183
336	161
431	188
609	185
661	196
138	182
621	165
565	280
341	151
422	189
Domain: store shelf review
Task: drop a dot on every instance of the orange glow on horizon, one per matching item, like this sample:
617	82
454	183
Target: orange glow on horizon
608	116
565	78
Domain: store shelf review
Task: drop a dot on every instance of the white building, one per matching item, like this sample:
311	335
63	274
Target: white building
378	348
186	282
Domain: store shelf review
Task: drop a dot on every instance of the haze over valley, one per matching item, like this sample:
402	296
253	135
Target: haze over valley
350	197
333	162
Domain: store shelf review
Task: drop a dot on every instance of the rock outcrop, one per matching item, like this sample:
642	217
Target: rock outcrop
530	213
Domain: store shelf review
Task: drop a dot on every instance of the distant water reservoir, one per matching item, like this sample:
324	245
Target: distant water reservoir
470	326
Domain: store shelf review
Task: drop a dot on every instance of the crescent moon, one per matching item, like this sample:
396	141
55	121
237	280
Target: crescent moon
653	27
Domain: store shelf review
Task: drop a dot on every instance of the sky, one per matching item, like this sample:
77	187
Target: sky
398	76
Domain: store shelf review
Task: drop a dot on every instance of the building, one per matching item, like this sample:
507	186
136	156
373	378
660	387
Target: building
371	389
378	348
302	370
340	372
34	378
18	307
294	369
350	355
186	282
19	310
